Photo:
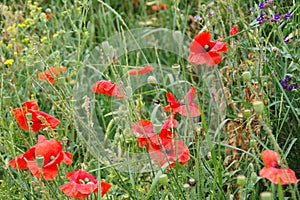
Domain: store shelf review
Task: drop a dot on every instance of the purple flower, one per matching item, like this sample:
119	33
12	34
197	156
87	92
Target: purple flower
261	5
285	83
197	18
287	40
287	16
262	18
288	78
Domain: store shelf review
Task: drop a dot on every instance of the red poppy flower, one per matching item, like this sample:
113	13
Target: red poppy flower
234	30
148	137
204	51
274	172
144	70
48	74
39	120
52	154
160	6
20	161
107	88
82	185
192	109
48	16
178	152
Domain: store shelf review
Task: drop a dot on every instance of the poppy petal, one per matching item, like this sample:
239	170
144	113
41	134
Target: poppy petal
270	158
107	88
32	104
144	70
20	116
203	38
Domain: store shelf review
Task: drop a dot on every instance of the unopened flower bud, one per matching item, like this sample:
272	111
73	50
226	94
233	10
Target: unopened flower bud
163	179
252	143
186	185
192	182
258	107
266	196
152	80
247	113
48	10
253	177
241	180
246	76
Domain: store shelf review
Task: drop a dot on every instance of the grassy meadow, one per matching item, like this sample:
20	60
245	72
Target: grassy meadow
170	99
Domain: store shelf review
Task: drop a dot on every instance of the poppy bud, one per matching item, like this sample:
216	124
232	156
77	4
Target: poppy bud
192	182
266	196
152	80
258	107
247	113
246	76
241	180
186	185
48	10
39	161
176	67
163	179
253	177
252	143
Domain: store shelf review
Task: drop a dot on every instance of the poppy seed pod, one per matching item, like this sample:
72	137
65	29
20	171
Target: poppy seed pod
163	179
246	76
241	180
266	196
152	80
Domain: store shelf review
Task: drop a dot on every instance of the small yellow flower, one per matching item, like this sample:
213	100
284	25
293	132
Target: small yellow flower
11	28
9	62
9	46
25	40
43	39
22	25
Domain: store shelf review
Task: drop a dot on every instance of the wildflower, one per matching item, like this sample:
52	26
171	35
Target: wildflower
287	40
39	120
82	185
52	154
287	16
20	161
160	6
261	5
285	83
204	51
234	30
48	74
211	13
146	135
262	18
107	88
174	106
9	62
273	171
178	152
48	16
50	151
197	18
276	18
144	70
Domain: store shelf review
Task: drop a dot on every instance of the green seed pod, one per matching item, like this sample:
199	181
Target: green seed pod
152	80
241	180
163	179
246	76
258	107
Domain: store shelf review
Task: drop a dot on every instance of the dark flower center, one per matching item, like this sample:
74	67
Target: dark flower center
85	181
277	166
